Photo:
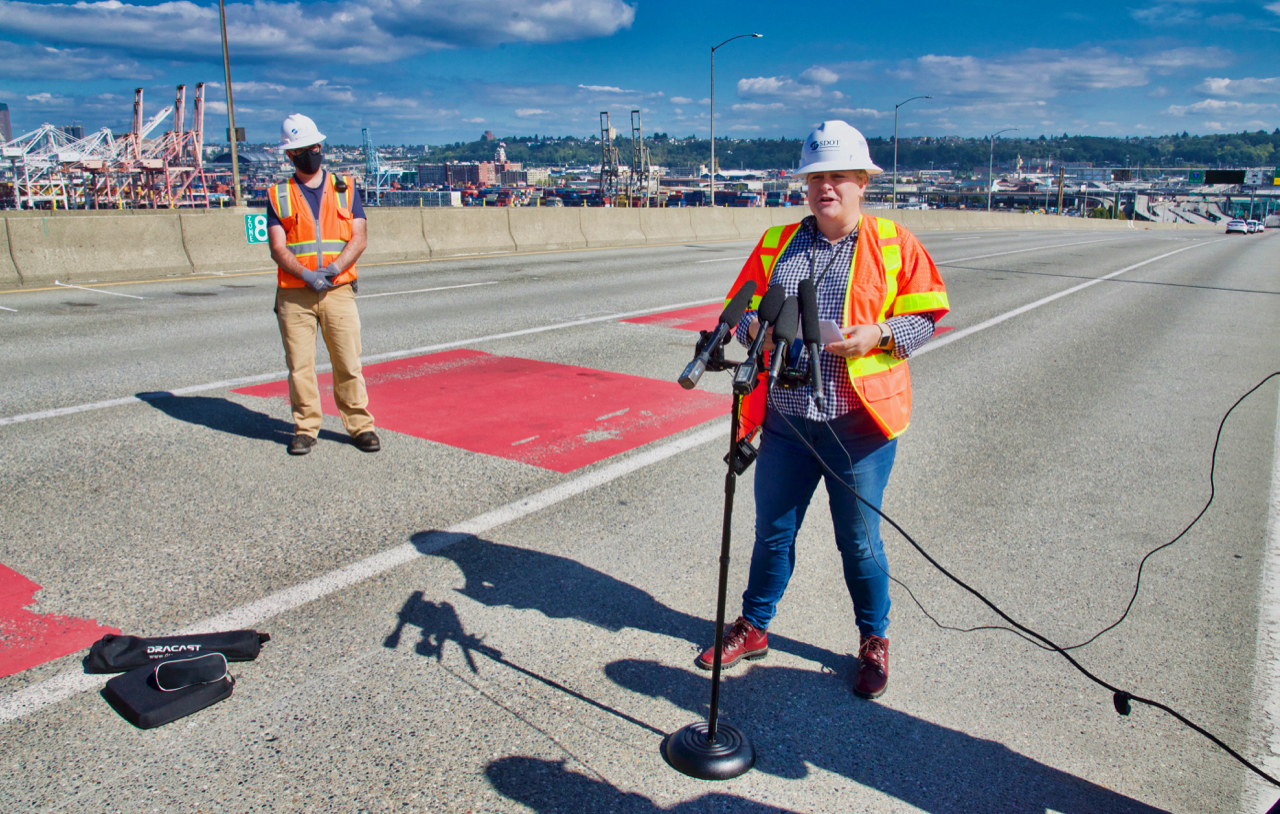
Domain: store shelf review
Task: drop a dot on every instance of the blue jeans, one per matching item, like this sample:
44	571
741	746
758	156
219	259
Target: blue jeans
786	475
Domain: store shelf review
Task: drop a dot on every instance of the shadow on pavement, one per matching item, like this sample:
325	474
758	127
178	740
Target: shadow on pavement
501	575
547	787
796	718
226	416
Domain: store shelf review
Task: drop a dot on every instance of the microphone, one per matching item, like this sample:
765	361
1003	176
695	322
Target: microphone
729	319
784	333
744	378
809	322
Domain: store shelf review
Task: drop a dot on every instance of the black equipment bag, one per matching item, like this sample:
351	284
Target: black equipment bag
116	654
156	694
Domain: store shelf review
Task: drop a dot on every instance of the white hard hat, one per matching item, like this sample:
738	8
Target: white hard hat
298	131
835	145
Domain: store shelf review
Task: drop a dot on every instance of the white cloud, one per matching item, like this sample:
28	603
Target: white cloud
46	99
1274	8
530	112
819	75
1221	106
358	32
757	107
776	86
859	112
19	61
681	100
1178	58
1248	86
476	120
606	89
1032	73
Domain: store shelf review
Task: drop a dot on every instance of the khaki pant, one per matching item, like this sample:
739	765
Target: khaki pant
300	311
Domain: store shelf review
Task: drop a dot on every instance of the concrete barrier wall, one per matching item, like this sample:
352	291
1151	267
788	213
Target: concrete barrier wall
714	224
215	242
667	225
37	248
451	232
9	277
395	235
549	229
606	227
105	248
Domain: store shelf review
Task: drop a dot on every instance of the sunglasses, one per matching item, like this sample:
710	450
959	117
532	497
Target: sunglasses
178	674
314	148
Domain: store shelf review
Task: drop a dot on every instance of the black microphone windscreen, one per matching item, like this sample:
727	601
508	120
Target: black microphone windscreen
809	311
784	330
771	303
738	305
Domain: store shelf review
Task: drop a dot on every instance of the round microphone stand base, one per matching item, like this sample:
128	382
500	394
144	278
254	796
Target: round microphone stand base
690	751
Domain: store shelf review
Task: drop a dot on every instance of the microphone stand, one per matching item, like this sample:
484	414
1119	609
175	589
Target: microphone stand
712	750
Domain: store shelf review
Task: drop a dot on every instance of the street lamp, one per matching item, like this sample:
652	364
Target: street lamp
713	109
231	110
895	146
991	163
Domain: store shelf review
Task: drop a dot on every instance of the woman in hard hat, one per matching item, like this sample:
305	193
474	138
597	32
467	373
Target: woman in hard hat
879	285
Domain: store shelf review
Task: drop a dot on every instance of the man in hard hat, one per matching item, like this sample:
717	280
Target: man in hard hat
879	285
316	232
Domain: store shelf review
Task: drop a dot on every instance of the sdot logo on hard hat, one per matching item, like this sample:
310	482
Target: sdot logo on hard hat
824	144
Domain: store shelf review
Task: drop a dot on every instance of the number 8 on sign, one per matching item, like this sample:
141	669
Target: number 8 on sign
255	228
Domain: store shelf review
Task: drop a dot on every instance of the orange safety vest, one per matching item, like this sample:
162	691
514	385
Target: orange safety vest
891	275
313	249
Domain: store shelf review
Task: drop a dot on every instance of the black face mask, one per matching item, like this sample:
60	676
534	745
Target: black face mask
308	163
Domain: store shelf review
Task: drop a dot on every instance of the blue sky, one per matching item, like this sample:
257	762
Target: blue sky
437	71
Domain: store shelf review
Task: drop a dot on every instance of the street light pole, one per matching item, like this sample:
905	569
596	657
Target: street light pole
895	146
991	163
713	109
231	110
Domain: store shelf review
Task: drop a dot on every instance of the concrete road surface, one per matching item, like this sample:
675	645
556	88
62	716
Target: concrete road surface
500	611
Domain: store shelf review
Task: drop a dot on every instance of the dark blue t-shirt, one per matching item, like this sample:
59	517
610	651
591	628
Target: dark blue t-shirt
312	197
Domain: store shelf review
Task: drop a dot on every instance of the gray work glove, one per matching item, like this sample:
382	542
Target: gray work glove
317	281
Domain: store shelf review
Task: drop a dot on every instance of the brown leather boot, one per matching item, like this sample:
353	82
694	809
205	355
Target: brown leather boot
873	667
742	640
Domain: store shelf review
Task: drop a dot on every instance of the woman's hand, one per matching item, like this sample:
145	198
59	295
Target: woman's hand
754	328
860	340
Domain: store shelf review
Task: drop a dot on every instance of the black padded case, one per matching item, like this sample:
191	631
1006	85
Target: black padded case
140	702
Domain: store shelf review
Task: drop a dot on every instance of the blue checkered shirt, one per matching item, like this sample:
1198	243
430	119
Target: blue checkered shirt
811	250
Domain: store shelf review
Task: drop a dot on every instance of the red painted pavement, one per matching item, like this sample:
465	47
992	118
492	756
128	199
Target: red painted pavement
697	318
29	639
552	416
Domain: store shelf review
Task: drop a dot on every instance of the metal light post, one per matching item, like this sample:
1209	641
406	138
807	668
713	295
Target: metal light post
713	109
895	146
991	163
231	110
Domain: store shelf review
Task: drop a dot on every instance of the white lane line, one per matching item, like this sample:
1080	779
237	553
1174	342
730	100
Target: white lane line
14	310
953	336
720	260
99	291
423	290
1024	251
376	357
1264	723
67	684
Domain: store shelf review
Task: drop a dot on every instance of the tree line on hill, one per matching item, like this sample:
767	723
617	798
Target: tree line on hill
961	155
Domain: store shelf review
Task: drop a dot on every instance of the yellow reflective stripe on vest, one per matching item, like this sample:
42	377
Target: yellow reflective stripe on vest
281	194
925	301
772	237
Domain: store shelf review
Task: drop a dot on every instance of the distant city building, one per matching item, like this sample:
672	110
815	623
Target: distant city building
488	136
75	131
513	178
457	174
6	129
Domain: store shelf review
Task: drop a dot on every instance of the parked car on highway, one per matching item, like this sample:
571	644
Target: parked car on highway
1238	226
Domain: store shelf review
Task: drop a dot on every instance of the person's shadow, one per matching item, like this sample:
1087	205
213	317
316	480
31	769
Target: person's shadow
227	416
547	787
506	576
796	718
